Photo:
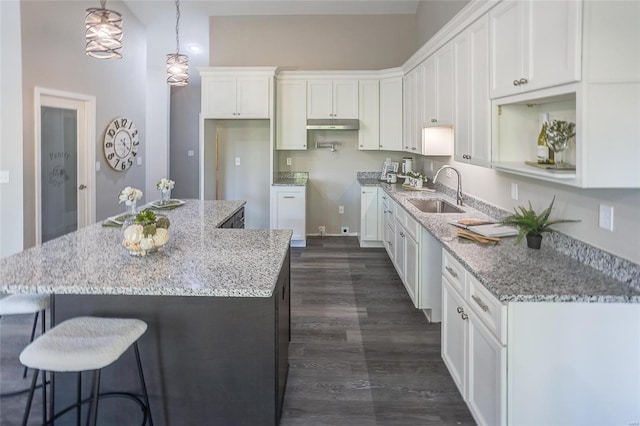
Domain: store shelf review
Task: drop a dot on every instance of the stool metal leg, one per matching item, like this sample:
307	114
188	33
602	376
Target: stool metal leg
33	334
79	399
93	411
44	397
142	382
30	398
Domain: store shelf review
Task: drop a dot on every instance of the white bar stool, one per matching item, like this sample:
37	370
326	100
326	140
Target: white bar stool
22	304
83	344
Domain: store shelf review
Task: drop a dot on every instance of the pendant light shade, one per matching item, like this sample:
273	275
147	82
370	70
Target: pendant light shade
103	33
177	64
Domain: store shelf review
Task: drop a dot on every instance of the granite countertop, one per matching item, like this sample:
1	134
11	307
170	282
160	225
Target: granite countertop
291	179
199	260
515	273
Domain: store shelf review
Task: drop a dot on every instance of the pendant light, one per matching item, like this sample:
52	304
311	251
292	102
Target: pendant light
103	32
177	64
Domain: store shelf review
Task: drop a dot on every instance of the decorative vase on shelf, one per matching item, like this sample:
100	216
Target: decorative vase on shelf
131	208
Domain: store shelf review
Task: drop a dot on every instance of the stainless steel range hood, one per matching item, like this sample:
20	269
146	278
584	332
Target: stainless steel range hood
351	124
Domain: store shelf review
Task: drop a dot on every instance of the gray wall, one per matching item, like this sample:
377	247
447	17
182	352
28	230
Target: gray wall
361	42
53	57
432	15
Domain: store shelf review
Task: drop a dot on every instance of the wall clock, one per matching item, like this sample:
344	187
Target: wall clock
121	143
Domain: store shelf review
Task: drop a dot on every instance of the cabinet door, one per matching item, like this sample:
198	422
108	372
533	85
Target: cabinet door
219	97
554	43
487	375
411	263
369	110
320	99
369	214
444	85
454	335
253	96
345	99
462	96
290	212
391	114
390	241
429	111
400	236
508	28
408	110
291	117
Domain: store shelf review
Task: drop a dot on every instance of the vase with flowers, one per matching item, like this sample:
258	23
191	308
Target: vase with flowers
165	186
130	197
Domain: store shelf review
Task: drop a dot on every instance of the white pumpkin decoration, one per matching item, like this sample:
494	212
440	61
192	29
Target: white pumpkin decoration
133	234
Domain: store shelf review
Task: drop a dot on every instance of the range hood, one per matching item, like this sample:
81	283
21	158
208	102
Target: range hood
352	124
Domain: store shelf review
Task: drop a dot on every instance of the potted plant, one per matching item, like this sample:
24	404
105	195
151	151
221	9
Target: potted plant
531	224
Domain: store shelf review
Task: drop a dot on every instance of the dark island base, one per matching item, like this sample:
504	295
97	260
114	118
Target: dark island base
206	360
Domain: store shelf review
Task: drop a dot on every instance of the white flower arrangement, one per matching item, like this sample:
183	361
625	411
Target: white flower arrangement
165	185
129	195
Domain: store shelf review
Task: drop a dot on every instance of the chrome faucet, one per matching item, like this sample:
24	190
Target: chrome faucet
459	194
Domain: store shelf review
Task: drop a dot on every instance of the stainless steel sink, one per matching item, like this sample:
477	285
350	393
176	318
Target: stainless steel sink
435	206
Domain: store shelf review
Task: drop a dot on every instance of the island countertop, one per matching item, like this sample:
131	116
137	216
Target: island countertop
199	260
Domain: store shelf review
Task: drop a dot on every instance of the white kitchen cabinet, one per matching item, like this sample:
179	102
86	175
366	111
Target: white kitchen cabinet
412	139
472	116
288	211
291	117
534	45
391	114
436	96
327	99
389	225
369	111
236	97
474	355
370	217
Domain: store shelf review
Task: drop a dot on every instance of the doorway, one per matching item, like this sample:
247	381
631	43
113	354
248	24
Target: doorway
64	163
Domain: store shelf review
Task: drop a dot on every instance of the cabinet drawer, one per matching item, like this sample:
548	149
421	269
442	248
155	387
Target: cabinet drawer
453	271
489	309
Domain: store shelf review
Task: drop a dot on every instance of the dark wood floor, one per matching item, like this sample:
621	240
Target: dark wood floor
361	354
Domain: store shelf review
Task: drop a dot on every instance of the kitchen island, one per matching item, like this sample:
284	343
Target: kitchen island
216	302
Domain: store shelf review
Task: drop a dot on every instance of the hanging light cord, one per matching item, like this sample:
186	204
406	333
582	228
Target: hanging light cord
178	27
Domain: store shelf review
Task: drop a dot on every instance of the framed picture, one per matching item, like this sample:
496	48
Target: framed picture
389	168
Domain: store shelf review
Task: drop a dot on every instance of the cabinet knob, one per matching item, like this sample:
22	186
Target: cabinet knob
460	310
523	81
304	146
413	149
361	146
464	316
406	147
516	82
82	186
433	120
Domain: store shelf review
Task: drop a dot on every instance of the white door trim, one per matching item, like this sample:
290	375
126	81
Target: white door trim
86	150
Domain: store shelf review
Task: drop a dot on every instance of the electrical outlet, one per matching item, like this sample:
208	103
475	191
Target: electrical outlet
190	153
449	172
4	176
606	217
514	191
237	161
321	230
288	161
344	230
340	209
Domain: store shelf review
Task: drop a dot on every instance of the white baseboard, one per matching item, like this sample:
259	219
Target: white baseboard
350	234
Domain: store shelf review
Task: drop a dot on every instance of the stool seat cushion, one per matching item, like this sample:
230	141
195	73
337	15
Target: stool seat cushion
17	304
82	343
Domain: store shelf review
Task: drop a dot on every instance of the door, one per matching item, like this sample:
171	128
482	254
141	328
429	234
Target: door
65	163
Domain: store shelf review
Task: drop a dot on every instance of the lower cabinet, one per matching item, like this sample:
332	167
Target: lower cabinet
236	221
288	211
371	216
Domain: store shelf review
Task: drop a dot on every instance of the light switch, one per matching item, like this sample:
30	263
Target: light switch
514	191
4	176
139	161
606	217
190	153
98	166
237	161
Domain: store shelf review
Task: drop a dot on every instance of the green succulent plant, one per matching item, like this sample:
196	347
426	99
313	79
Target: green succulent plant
145	217
531	223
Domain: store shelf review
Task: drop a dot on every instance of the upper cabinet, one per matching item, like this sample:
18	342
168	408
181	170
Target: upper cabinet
391	114
237	93
437	88
534	45
411	136
291	114
369	133
327	99
471	94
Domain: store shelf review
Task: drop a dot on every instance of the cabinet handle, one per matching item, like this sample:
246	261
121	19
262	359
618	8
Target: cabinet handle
304	146
464	316
480	302
460	310
82	186
451	271
390	243
406	147
361	146
433	120
384	198
289	196
516	83
401	234
523	81
413	149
